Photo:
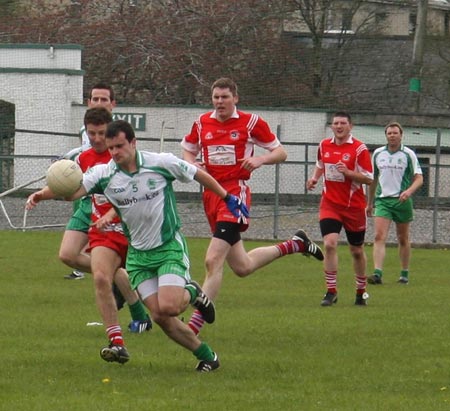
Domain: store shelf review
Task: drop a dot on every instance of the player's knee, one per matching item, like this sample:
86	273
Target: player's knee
380	237
242	270
357	252
67	258
102	281
213	264
403	238
330	246
168	308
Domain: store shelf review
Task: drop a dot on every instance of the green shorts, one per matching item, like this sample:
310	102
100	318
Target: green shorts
169	258
81	218
392	209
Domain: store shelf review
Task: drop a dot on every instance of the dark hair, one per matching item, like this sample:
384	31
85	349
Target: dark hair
225	82
118	126
343	114
103	86
97	116
394	124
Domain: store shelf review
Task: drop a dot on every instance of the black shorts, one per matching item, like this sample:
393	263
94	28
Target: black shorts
228	231
329	225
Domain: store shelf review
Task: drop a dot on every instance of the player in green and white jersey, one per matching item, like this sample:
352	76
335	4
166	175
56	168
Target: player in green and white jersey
397	176
139	186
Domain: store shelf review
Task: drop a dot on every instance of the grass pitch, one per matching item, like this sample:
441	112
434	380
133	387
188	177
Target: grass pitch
279	349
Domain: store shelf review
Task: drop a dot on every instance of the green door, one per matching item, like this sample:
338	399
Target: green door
7	126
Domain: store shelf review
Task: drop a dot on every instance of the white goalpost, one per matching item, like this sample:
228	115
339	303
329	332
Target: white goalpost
162	137
24	226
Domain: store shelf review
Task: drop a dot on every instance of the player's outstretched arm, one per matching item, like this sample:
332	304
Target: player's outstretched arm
35	198
46	194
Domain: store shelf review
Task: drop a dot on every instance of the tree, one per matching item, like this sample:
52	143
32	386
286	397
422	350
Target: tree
8	8
170	51
165	51
335	29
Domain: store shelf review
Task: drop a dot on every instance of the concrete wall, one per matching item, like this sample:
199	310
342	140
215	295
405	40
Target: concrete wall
43	82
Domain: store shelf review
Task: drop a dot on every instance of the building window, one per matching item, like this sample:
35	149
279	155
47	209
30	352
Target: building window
412	23
330	21
347	18
380	17
339	21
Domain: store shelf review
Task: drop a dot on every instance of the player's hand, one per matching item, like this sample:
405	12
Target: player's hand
236	206
200	164
102	223
311	184
341	167
32	200
250	163
405	195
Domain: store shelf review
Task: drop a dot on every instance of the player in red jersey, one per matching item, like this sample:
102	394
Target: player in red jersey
345	165
75	237
108	248
225	140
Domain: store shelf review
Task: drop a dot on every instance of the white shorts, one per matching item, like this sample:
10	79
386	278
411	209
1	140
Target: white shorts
150	287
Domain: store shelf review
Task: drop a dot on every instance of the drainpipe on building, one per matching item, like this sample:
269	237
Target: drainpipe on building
415	83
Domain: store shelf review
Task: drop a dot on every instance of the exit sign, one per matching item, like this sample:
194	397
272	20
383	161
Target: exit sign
137	120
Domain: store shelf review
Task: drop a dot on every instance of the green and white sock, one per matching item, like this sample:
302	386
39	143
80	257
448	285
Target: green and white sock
404	273
378	272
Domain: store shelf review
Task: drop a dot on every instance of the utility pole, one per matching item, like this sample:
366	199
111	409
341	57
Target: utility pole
418	51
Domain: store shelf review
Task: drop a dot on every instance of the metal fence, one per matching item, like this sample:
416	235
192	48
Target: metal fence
281	202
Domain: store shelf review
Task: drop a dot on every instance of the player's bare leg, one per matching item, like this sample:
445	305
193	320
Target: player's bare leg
165	305
123	283
71	250
404	250
105	263
244	263
140	319
381	226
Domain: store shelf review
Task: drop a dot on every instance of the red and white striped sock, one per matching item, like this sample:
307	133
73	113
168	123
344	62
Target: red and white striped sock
331	281
361	283
196	322
291	247
114	333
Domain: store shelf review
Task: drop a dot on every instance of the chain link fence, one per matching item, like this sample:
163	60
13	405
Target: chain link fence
281	203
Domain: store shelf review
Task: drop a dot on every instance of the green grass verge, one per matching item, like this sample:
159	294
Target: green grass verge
279	349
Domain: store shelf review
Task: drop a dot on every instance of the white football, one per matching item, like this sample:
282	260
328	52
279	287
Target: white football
64	177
